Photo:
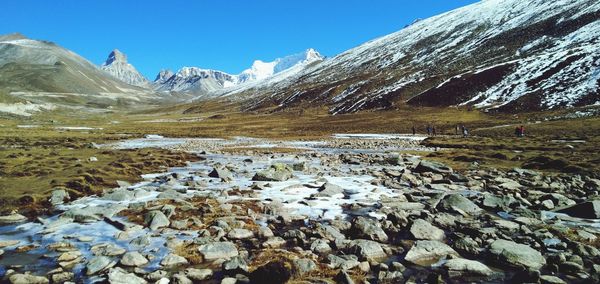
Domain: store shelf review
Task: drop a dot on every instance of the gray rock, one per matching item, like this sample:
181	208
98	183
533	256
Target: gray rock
156	219
462	266
18	278
236	264
328	232
265	232
99	264
133	258
173	260
120	194
588	210
368	228
62	277
344	262
458	203
304	265
221	173
498	202
181	278
218	250
423	230
240	234
549	279
516	255
428	252
12	219
120	276
367	250
433	167
320	246
390	277
59	197
198	274
107	249
277	172
328	190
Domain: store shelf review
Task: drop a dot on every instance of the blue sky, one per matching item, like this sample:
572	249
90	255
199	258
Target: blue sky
225	35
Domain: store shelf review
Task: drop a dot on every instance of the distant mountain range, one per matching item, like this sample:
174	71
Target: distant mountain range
501	55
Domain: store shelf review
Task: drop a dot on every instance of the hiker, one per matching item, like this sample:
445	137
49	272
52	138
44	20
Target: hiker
522	131
465	131
414	130
433	130
518	131
428	128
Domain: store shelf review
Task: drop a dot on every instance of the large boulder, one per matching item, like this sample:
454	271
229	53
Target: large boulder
367	250
156	219
428	252
173	260
120	276
461	267
12	219
18	278
276	172
516	255
133	258
458	203
99	264
58	197
433	167
423	230
368	228
587	210
218	250
120	194
328	190
222	173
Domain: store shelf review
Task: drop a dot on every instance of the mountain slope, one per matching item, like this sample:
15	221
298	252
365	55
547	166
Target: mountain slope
43	73
206	82
117	66
513	55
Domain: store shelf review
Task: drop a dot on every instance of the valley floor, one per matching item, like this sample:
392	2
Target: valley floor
281	196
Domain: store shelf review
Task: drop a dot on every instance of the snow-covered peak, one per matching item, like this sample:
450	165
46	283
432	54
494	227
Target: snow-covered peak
117	66
163	75
261	70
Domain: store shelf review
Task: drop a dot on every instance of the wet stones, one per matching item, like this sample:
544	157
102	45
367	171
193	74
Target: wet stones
221	173
99	264
198	274
18	278
218	250
423	230
156	219
133	258
432	167
328	190
366	249
428	252
458	267
173	260
516	255
368	228
277	172
12	219
120	276
458	203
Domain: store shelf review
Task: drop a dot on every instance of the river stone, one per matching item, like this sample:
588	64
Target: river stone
27	279
12	219
517	255
221	173
369	229
277	172
180	278
423	230
59	197
240	234
549	279
367	250
320	246
218	250
328	190
9	243
98	264
120	276
172	260
457	202
133	258
466	266
121	194
156	219
328	232
107	249
304	265
62	277
198	274
587	210
345	262
428	252
434	167
69	256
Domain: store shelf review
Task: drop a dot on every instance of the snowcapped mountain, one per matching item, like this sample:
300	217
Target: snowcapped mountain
509	55
117	66
205	81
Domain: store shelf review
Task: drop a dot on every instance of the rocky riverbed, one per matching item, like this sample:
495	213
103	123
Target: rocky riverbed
349	209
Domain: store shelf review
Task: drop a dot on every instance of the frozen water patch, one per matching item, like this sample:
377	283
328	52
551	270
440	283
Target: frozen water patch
370	136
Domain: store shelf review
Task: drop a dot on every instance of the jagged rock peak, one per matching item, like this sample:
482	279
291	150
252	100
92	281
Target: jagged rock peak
115	56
